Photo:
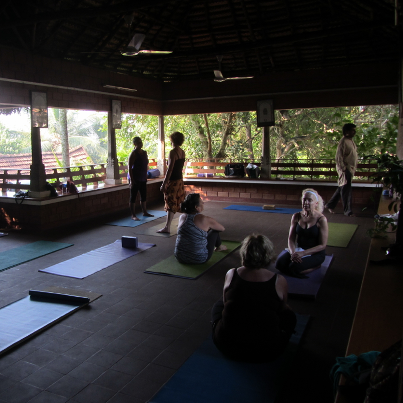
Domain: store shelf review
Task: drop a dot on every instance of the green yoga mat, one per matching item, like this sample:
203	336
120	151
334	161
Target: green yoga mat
171	267
340	234
31	251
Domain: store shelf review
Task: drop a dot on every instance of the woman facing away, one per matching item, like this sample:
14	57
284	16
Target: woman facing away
253	321
137	169
307	238
172	186
198	235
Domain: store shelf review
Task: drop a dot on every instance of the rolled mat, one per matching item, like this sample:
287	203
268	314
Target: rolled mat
14	257
259	209
340	234
171	267
208	376
89	263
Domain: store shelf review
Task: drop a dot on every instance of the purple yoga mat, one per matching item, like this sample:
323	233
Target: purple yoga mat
306	287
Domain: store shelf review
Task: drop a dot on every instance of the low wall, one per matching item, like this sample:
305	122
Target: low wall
65	210
272	192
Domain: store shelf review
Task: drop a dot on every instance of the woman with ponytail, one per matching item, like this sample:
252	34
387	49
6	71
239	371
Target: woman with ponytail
198	235
307	238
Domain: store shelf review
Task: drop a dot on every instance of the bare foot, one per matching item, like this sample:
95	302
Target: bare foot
350	215
220	248
147	215
164	230
134	218
330	210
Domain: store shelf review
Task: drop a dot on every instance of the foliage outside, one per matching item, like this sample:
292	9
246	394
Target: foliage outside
298	134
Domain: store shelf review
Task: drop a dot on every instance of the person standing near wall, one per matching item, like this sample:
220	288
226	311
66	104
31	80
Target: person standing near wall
346	165
137	168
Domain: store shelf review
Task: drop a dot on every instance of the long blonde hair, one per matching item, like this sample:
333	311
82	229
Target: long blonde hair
320	205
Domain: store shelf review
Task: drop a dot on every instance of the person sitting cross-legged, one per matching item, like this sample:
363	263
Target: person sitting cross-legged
252	322
198	235
307	238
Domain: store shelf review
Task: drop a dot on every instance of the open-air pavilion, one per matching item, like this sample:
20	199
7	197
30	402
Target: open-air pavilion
301	54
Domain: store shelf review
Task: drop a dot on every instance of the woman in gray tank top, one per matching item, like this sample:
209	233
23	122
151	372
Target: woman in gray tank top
198	235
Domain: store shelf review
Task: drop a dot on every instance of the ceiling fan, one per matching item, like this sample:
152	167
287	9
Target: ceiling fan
133	48
219	78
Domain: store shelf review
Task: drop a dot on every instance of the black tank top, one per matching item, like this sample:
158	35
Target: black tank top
308	237
177	169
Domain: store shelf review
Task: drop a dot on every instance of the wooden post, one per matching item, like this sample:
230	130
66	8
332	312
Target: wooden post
161	165
37	187
112	167
266	161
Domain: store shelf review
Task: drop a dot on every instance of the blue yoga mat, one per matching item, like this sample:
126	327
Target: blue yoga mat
207	376
128	222
22	254
279	210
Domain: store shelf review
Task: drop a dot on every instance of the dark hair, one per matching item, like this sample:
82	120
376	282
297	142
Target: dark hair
190	203
136	140
177	138
256	252
347	127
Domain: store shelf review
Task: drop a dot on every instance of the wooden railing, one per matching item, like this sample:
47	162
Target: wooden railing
82	176
283	169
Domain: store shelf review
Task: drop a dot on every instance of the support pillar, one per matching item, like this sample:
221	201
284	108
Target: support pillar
265	167
161	165
37	187
112	167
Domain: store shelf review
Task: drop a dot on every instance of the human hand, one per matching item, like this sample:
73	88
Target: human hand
297	257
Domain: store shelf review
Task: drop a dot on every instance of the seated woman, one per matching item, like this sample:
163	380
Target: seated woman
253	321
307	238
198	235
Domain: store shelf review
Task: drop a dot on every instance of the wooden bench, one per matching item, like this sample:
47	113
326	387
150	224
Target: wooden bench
312	170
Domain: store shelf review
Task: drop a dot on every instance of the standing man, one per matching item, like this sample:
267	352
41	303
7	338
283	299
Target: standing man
137	167
346	164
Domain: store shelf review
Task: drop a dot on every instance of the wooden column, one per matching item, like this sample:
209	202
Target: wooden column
161	165
37	187
266	161
112	167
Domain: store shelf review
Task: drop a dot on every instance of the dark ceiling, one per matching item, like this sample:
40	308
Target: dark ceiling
254	37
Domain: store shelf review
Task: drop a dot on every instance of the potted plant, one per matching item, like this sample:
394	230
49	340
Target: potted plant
390	174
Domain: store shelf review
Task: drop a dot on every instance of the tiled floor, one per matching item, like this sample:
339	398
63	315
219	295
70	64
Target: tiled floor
129	342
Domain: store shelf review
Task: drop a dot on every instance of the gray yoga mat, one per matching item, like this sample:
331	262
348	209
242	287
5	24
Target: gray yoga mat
89	263
128	222
306	287
28	316
152	231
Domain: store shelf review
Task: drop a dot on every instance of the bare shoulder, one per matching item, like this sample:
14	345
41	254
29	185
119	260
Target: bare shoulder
322	221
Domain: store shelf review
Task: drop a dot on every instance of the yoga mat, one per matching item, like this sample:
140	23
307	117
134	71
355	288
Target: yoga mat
306	287
208	376
152	231
128	222
340	234
171	267
41	309
280	210
14	257
89	263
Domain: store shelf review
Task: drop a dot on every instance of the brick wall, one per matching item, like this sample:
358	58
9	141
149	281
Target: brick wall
67	210
281	193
